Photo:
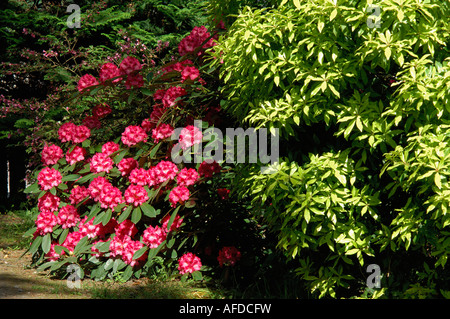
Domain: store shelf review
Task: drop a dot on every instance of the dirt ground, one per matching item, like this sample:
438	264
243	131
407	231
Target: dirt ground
19	282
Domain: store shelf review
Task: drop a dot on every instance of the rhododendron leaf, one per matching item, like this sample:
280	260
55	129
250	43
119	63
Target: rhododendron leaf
127	273
136	215
140	252
86	178
98	219
118	265
154	150
197	275
70	178
154	251
172	217
125	214
46	243
148	210
146	91
63	236
107	217
33	188
36	244
109	263
81	246
94	210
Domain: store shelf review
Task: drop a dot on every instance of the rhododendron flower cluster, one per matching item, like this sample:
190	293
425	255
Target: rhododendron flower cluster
162	132
228	256
77	154
78	194
189	136
129	65
48	203
101	162
72	240
85	81
165	170
194	40
110	196
127	165
51	154
209	169
187	177
110	147
188	263
135	195
171	94
139	176
68	216
223	193
101	110
45	222
175	224
109	71
133	134
178	194
154	236
69	132
48	178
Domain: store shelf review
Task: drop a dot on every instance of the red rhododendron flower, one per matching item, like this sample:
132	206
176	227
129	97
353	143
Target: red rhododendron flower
96	186
188	263
159	94
189	136
101	163
87	228
48	203
138	176
165	170
68	216
126	165
190	72
78	194
177	221
110	147
51	154
81	133
172	94
228	256
179	66
178	194
66	132
48	178
101	110
109	71
85	81
92	122
208	169
147	125
223	193
76	155
195	39
130	248
110	197
135	195
129	64
134	80
126	228
72	240
133	134
45	223
52	255
154	236
187	176
162	132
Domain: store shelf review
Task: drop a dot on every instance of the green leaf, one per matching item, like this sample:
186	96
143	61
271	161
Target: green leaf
125	214
107	217
437	180
197	275
33	188
172	217
63	236
136	216
140	253
297	4
148	210
70	178
35	245
46	243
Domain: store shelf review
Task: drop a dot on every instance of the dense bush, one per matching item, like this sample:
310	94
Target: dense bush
361	102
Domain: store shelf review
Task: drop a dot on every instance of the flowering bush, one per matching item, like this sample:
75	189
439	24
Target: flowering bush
116	201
